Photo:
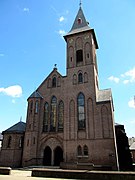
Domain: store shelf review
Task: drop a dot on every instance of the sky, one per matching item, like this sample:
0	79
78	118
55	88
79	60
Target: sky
31	42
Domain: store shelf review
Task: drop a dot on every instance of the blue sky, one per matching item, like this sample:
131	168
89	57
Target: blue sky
31	43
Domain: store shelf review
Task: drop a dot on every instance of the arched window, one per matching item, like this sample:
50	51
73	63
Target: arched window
81	110
60	116
105	121
85	77
74	79
79	56
49	83
54	82
36	107
79	151
53	114
46	117
79	21
59	81
70	57
85	150
80	78
87	47
9	142
21	140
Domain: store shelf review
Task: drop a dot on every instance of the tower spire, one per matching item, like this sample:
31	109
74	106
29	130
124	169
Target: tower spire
80	20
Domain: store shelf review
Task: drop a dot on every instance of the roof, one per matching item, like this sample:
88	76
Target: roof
116	124
80	24
80	21
17	128
35	94
82	29
132	147
131	140
104	95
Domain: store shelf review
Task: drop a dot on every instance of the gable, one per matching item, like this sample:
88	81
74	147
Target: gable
48	82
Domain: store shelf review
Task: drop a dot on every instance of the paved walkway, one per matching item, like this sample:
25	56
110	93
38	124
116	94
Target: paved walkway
23	175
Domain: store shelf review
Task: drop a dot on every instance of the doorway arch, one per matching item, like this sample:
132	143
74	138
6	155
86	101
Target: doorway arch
47	156
58	156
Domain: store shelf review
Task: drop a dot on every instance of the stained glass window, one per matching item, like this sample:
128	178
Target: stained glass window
36	107
60	116
80	78
81	111
53	114
46	117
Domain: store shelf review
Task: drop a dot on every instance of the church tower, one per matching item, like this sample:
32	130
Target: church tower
91	118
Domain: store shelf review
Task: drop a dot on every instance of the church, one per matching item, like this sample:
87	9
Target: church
70	120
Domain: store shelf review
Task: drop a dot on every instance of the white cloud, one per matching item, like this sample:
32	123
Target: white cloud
131	103
115	79
129	75
26	9
126	81
126	78
13	91
61	19
62	32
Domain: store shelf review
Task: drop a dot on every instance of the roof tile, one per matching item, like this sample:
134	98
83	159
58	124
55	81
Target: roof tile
19	127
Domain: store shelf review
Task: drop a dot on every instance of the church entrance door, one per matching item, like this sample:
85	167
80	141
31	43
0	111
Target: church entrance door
47	156
58	156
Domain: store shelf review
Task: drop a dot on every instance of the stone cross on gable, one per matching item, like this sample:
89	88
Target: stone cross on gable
55	66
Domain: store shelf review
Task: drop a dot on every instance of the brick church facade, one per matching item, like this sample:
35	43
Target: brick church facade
69	119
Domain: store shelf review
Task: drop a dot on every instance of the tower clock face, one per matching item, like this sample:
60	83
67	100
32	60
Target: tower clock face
70	41
86	37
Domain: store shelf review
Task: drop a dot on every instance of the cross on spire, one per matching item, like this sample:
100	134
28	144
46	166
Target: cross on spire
80	4
21	119
55	67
